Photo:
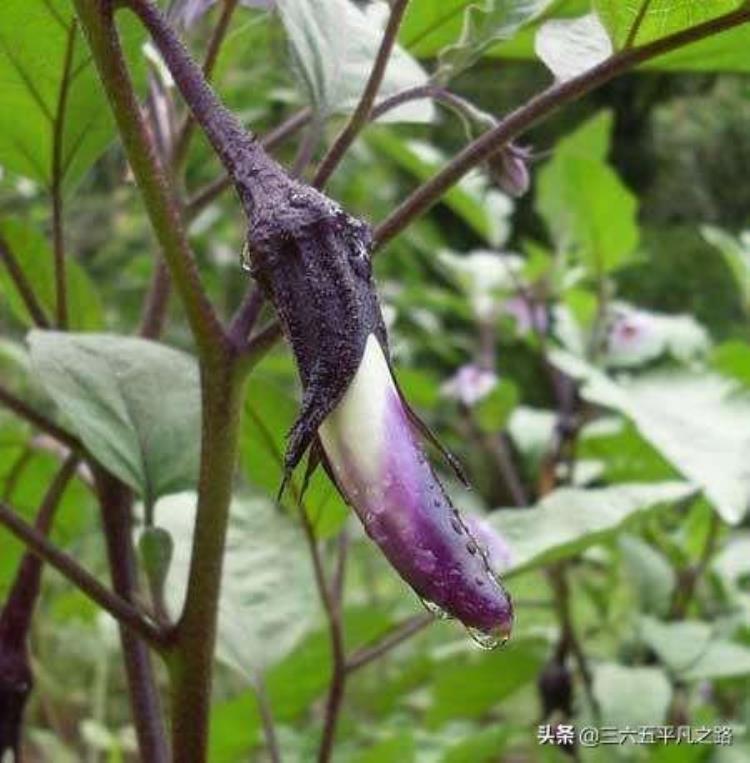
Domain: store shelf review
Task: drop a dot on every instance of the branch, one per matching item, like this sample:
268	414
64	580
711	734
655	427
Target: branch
392	639
16	616
36	419
23	287
161	206
157	302
362	113
537	109
58	136
67	566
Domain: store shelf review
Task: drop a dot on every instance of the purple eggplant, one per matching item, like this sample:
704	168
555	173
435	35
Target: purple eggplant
312	261
374	453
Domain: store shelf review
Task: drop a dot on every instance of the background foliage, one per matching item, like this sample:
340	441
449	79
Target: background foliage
609	306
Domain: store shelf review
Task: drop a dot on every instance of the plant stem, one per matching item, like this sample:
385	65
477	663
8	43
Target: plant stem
15	619
362	113
392	639
145	703
36	419
266	716
538	108
191	666
161	206
23	287
67	566
157	302
58	137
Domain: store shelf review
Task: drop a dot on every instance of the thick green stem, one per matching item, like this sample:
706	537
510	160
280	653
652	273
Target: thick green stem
161	206
191	663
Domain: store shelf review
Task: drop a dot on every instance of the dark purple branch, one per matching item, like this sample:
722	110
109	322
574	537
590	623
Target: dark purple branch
402	632
145	703
535	110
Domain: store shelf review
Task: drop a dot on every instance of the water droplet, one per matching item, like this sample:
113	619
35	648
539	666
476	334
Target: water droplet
471	547
435	609
479	582
457	526
488	640
245	259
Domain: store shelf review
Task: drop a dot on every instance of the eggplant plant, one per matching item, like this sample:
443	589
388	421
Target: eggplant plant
128	421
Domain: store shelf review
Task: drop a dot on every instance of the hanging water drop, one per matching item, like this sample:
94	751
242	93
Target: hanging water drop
489	640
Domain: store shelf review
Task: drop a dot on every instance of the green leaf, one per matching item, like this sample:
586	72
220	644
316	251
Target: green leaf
571	519
399	747
699	422
736	252
486	22
134	403
569	47
586	206
334	45
34	38
35	259
732	359
631	696
693	651
649	572
470	688
662	17
492	412
485	211
268	600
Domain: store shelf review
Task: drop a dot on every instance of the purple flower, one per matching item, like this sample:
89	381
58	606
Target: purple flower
529	314
375	457
470	384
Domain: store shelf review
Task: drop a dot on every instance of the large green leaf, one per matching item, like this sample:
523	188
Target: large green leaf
571	519
334	45
662	17
35	259
134	403
486	22
631	697
736	252
700	422
268	600
34	39
586	206
430	27
693	650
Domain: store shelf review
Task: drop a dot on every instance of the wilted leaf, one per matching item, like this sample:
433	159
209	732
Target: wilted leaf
268	599
134	403
571	519
699	422
334	45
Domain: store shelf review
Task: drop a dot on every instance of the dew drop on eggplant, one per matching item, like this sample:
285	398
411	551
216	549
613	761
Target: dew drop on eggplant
435	610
